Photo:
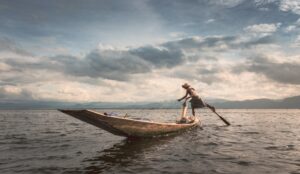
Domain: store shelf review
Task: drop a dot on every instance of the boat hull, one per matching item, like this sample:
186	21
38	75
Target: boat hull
128	127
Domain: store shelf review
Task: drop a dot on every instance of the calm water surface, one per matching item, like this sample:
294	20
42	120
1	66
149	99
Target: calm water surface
47	141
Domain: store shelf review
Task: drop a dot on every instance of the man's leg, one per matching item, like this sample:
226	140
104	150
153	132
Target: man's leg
194	116
193	111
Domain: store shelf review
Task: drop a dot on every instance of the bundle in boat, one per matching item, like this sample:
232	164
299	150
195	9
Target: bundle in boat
128	127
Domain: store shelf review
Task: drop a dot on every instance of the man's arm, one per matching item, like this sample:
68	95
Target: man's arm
183	97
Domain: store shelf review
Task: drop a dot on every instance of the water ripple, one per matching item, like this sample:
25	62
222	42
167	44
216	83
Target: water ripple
47	141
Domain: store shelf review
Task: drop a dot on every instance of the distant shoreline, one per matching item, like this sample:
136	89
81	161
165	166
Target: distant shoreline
44	109
286	103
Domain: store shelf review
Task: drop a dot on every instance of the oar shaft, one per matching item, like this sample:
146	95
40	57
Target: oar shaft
184	110
223	119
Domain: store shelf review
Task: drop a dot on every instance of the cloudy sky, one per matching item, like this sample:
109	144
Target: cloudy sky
143	50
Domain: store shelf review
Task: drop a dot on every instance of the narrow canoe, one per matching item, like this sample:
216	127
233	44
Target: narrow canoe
128	127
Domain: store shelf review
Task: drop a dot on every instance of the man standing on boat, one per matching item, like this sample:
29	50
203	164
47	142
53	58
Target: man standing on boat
196	101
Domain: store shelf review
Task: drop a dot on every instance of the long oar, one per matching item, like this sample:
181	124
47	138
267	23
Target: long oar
223	119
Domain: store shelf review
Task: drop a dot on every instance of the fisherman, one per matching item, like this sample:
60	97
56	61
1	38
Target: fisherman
196	102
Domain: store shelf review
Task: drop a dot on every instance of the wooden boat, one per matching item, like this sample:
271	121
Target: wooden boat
128	127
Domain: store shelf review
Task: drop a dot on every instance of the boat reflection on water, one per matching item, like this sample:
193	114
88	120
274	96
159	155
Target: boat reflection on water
124	154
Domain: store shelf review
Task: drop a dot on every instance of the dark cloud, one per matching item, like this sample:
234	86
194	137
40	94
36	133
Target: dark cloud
109	64
115	65
217	43
4	82
160	57
197	43
9	45
185	43
121	64
279	72
259	41
19	78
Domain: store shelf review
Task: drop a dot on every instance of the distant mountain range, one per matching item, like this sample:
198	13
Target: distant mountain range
286	103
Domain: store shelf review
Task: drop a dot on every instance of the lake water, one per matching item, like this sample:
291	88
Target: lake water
47	141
